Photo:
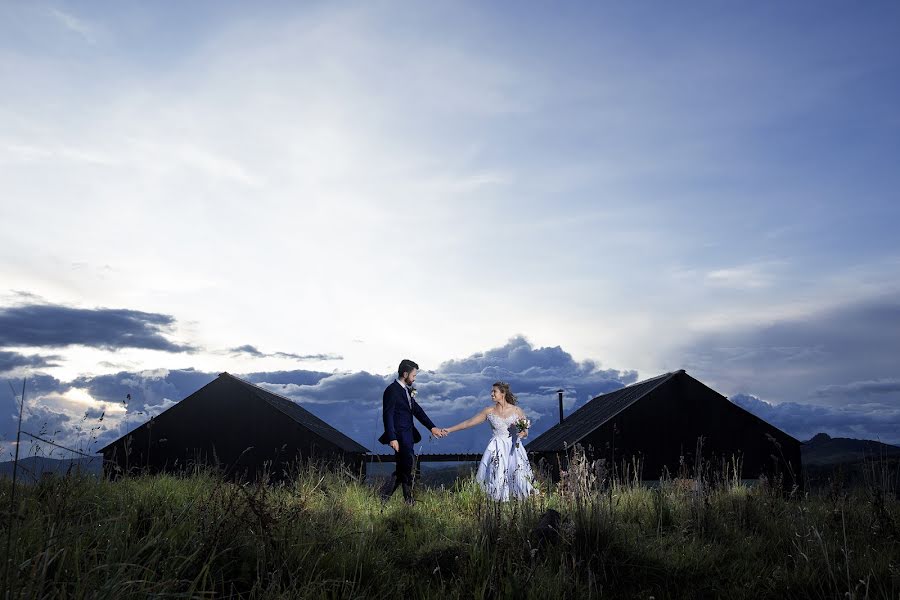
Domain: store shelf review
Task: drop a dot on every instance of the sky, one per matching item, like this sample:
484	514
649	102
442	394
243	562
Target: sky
576	197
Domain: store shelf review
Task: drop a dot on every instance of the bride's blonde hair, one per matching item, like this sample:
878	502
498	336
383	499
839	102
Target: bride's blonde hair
507	393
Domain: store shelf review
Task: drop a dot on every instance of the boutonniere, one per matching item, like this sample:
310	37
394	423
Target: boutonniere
412	392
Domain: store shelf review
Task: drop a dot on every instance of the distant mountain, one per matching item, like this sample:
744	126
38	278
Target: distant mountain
823	449
33	467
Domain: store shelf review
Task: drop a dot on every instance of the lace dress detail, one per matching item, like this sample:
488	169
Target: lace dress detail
504	471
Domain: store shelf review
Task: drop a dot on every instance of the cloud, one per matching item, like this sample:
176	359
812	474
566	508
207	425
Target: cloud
350	401
835	356
145	387
457	389
744	277
11	361
47	413
454	391
151	410
69	412
881	386
253	351
81	27
298	377
517	355
43	422
54	326
865	421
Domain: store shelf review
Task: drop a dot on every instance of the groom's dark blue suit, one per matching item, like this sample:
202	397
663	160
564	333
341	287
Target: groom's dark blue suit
398	410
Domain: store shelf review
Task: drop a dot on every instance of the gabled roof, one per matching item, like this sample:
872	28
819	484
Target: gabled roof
594	414
284	405
300	415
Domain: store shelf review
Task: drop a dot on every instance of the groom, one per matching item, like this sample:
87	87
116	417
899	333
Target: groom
398	408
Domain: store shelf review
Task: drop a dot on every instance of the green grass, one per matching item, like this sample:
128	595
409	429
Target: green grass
326	535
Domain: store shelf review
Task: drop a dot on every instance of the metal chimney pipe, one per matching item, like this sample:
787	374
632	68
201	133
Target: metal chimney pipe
560	392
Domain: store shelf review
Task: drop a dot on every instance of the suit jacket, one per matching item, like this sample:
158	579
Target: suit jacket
398	414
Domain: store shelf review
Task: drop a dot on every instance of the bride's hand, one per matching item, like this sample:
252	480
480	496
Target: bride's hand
523	434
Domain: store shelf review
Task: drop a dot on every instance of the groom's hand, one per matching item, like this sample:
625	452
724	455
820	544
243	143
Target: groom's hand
438	433
395	445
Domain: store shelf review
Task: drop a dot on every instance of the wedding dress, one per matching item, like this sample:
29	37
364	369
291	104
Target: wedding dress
504	471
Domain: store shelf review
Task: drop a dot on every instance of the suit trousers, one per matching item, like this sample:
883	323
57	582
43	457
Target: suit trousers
405	458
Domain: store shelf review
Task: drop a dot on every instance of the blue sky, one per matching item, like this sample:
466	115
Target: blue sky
330	187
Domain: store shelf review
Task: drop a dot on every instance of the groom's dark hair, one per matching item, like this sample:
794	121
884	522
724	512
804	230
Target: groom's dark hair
406	366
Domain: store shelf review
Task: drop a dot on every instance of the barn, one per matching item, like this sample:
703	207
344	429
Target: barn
660	421
237	426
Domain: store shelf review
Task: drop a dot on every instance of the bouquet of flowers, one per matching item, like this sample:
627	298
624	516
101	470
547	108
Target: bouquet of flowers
522	425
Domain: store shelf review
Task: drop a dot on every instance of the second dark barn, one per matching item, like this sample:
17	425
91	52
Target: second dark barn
659	421
237	426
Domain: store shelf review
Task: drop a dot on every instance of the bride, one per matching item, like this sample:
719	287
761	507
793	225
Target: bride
504	470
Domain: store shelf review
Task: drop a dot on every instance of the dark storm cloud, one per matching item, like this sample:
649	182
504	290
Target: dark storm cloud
518	356
247	349
45	421
145	387
822	356
297	377
11	361
856	388
53	326
874	421
253	351
41	421
534	374
835	371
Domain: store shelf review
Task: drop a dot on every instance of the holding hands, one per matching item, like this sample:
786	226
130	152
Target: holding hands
437	432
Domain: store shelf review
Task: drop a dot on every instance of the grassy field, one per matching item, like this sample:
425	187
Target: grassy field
326	535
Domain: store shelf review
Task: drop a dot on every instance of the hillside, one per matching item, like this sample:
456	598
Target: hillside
823	449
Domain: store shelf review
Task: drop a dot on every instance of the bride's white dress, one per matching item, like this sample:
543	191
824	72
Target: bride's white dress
504	471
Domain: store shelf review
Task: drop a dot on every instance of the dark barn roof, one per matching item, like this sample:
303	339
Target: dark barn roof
601	409
593	414
302	416
231	385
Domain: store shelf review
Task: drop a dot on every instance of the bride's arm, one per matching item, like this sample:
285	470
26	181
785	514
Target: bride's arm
481	417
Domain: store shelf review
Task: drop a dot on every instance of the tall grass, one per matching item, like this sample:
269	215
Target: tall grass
325	534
